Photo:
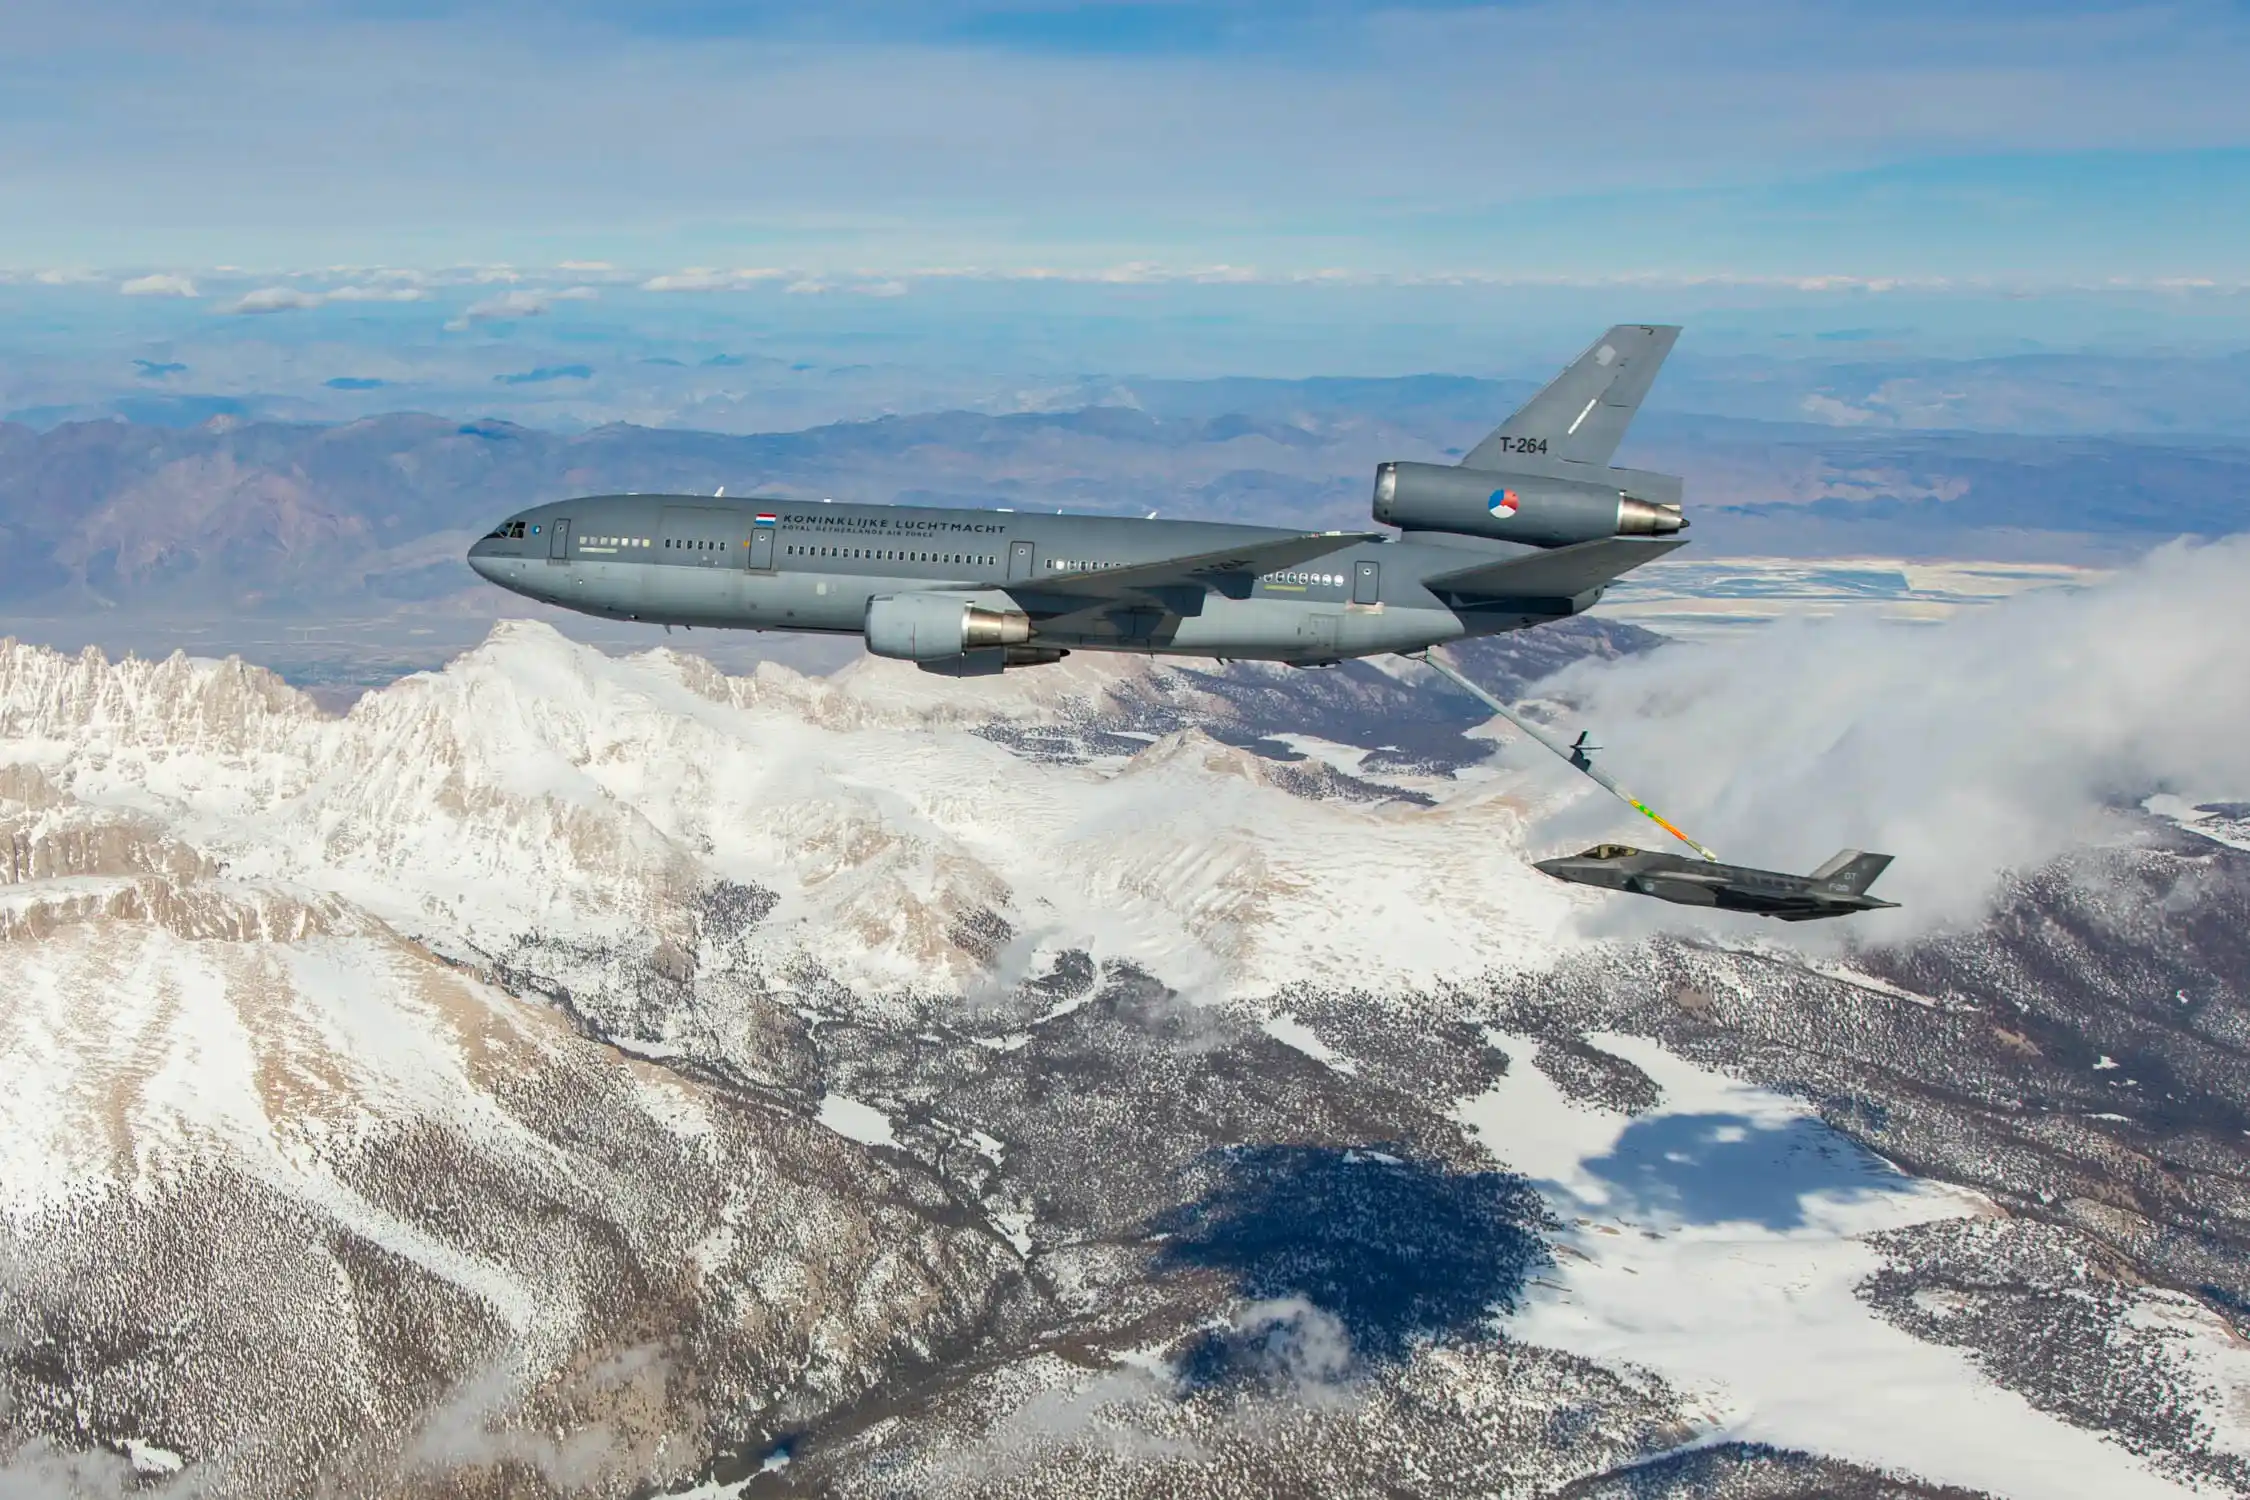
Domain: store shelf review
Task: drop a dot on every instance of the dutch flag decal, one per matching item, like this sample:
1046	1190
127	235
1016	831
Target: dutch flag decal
765	518
1503	503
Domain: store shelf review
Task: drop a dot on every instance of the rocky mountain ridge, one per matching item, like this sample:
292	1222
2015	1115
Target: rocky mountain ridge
582	1076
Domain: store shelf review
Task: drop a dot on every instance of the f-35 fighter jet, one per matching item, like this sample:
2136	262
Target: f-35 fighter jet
1837	889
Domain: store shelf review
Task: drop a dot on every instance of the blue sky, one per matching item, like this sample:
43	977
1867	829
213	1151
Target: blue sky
2008	145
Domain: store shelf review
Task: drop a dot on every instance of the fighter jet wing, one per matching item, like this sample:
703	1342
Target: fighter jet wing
1560	573
1230	572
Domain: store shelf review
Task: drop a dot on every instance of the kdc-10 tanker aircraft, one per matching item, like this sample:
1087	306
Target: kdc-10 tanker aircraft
1531	526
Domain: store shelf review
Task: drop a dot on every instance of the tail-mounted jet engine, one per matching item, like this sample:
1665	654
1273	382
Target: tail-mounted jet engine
933	627
1532	508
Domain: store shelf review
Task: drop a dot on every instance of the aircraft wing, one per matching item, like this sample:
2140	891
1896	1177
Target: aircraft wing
1229	572
1560	573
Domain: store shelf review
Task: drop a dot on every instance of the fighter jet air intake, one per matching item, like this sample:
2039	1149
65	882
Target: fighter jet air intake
1529	527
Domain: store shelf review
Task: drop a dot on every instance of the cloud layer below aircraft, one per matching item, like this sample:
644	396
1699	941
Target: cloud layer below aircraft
1968	750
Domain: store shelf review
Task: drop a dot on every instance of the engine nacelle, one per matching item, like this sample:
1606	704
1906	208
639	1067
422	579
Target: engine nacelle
991	661
932	626
1532	508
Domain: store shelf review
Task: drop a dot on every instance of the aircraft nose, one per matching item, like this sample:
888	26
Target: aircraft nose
481	560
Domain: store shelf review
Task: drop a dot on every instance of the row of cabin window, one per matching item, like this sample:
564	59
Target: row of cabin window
885	554
680	544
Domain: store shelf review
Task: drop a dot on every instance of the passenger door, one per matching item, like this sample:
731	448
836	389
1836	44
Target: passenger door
558	540
1021	557
1367	583
761	548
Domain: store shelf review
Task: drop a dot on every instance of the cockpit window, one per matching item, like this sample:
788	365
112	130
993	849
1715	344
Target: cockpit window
1609	851
505	531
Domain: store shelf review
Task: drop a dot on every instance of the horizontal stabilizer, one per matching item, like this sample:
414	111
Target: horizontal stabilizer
1559	573
1582	415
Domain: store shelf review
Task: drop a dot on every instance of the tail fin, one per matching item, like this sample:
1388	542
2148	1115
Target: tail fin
1582	414
1849	872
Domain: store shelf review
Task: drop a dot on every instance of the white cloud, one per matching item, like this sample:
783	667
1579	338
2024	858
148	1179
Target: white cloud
378	294
705	279
158	285
1306	1345
397	284
586	265
1834	412
479	1425
275	299
509	306
41	1471
1093	1415
1991	743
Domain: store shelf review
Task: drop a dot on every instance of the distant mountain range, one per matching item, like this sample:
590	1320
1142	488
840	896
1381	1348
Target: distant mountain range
234	516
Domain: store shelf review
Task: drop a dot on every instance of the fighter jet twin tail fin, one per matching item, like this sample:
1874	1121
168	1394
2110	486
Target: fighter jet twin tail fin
1849	872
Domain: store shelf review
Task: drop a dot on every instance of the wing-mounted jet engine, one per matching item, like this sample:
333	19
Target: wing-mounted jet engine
1543	477
954	635
928	626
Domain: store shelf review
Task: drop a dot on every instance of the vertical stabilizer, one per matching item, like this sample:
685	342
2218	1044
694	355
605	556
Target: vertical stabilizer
1849	872
1582	415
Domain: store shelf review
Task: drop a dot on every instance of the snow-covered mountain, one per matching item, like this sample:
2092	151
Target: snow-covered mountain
580	1075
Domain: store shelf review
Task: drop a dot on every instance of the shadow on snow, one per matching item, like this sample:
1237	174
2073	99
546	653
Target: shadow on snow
1348	1257
1730	1169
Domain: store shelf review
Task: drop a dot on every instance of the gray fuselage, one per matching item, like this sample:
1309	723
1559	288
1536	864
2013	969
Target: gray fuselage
1695	882
792	565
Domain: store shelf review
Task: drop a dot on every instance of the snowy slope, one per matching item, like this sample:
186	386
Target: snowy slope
538	783
257	965
1718	1240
